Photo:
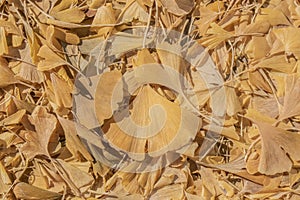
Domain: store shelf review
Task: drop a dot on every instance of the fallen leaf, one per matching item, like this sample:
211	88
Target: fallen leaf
103	96
50	59
14	118
3	45
174	191
288	37
26	191
73	143
291	105
7	77
147	136
37	142
279	148
178	7
77	179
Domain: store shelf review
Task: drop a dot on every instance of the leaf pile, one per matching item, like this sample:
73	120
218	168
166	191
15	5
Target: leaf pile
255	47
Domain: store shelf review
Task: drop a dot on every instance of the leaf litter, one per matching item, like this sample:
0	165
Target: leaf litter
253	44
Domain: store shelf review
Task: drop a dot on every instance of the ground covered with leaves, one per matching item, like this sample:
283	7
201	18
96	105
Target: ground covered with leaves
254	154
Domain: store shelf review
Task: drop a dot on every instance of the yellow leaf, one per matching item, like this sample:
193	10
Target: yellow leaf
289	37
25	191
146	133
104	15
279	148
178	7
103	96
37	142
73	143
62	91
291	106
7	77
71	15
50	59
3	43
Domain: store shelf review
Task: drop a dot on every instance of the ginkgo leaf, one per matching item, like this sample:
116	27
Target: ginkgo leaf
207	16
273	16
62	91
103	95
14	118
216	36
171	58
151	130
26	191
174	191
144	57
104	15
37	142
289	37
258	81
257	53
233	104
277	63
72	15
50	59
279	148
178	7
73	143
77	179
291	106
132	11
3	44
28	71
95	4
7	77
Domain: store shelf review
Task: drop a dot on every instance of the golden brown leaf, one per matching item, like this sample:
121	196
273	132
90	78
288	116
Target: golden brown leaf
291	106
26	191
37	142
50	59
279	148
160	129
73	143
104	92
178	7
7	77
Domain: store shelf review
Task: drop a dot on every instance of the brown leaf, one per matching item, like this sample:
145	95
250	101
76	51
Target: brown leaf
7	77
73	143
77	179
3	44
37	142
140	141
289	37
14	118
103	95
71	15
26	191
50	59
104	15
132	11
178	7
291	106
279	148
62	91
174	191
